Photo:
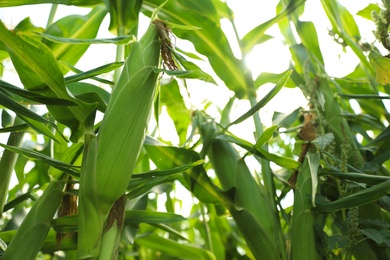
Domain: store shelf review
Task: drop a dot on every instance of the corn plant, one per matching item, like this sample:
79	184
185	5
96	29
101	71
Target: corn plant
90	174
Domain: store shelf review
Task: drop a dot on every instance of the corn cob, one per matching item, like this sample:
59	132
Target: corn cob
114	152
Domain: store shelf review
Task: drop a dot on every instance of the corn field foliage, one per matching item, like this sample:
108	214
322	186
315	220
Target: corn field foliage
85	172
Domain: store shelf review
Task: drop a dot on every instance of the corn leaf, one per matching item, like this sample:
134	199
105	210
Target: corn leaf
21	110
173	248
303	220
210	42
34	155
92	73
358	198
74	27
36	225
6	3
120	40
264	100
256	35
35	96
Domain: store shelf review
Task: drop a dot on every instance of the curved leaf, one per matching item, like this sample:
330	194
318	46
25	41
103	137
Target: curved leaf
34	155
75	27
209	41
6	3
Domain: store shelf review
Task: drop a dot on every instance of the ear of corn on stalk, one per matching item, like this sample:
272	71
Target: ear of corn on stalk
114	152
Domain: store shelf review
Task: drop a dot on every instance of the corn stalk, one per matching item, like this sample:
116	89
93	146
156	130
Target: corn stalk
111	157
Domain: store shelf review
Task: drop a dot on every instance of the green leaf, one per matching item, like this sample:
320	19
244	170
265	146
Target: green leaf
35	96
313	160
381	66
380	237
40	128
279	160
304	220
177	110
92	73
90	93
173	248
123	16
174	170
358	177
196	179
16	128
266	77
338	242
265	99
21	110
324	141
34	228
367	11
209	41
143	186
74	27
309	38
42	67
120	40
345	26
181	26
195	71
34	155
358	198
6	3
265	136
39	71
256	35
69	223
362	96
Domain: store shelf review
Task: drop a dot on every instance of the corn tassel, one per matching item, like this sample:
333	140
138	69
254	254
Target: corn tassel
120	139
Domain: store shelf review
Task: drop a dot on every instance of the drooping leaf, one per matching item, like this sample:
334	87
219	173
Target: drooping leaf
367	11
173	248
209	41
76	27
195	71
381	66
265	99
39	71
7	3
313	160
90	93
123	16
279	160
358	198
173	100
35	96
324	141
34	155
120	40
256	35
266	136
93	72
266	77
21	110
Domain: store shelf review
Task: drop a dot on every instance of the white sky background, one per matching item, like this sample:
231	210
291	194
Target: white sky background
272	56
